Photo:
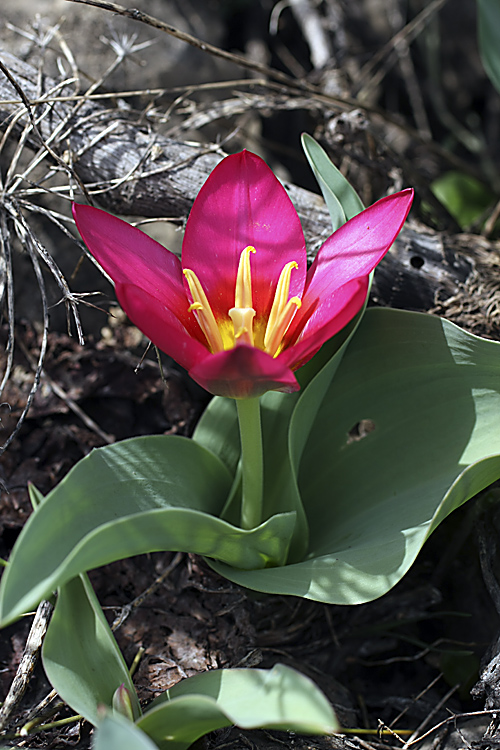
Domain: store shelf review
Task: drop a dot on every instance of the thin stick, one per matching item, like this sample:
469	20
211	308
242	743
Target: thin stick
28	661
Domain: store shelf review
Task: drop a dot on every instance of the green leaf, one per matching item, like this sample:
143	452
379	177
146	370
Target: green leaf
141	495
80	655
341	199
488	22
36	497
432	392
280	698
117	733
463	196
217	431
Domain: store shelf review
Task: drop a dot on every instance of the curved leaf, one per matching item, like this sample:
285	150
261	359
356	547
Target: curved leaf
80	655
142	495
341	199
432	394
488	23
280	698
117	733
217	431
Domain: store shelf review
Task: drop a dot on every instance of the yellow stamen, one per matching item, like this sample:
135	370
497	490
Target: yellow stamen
280	303
242	314
203	312
242	318
243	289
281	325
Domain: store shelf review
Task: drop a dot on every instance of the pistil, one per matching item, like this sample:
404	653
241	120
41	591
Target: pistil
242	318
242	314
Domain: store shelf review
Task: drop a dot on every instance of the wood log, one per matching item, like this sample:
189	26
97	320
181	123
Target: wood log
133	170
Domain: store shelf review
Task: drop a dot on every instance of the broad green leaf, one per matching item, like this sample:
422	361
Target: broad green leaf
117	733
463	196
488	22
432	392
286	426
280	698
341	199
80	655
141	495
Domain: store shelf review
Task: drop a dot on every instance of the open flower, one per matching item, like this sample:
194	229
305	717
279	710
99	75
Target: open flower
241	311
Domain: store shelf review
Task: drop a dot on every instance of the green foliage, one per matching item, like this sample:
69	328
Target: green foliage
141	495
463	196
117	733
432	392
488	23
342	200
280	698
80	655
83	663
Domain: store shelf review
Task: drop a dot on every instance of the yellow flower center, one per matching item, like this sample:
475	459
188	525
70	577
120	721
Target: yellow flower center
243	313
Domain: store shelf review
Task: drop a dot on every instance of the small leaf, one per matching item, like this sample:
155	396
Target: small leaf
488	18
280	698
341	199
217	431
80	655
36	497
122	702
463	196
117	733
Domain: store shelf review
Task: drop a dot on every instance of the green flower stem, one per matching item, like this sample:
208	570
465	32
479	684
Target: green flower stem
252	461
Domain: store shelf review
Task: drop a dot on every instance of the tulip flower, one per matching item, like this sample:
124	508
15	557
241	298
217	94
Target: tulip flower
242	312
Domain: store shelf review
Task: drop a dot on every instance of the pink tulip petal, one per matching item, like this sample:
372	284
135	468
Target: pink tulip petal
243	372
242	203
351	252
152	316
345	304
130	256
355	249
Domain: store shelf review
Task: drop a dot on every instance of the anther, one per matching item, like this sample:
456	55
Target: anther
243	289
279	304
281	325
203	312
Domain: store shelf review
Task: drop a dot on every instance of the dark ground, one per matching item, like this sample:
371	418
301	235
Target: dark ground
407	661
